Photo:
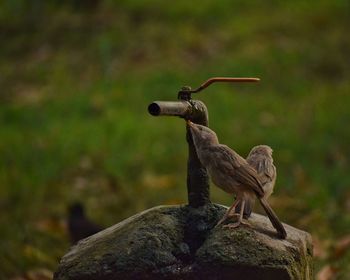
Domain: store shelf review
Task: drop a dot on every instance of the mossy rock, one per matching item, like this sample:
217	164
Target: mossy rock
180	242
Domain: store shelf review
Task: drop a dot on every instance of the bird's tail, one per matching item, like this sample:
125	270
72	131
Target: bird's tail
273	218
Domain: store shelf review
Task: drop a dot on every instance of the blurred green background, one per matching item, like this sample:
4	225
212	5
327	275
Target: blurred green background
76	78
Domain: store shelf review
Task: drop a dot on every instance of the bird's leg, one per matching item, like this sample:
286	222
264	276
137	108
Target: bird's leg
227	214
240	219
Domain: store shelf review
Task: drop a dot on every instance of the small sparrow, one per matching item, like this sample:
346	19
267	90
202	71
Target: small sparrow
232	173
79	226
260	158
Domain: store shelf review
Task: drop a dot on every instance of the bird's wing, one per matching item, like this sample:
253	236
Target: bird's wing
267	168
248	176
263	165
232	163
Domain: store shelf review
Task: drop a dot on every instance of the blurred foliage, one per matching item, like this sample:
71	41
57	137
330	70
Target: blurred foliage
76	79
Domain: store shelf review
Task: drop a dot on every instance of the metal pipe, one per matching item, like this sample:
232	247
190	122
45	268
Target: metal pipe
197	177
218	79
170	108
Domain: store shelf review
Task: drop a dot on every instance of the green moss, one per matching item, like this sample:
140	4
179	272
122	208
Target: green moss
145	246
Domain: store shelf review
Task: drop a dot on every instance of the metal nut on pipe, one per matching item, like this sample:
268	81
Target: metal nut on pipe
170	108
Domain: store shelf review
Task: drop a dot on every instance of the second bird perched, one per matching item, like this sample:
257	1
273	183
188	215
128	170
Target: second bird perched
232	173
260	158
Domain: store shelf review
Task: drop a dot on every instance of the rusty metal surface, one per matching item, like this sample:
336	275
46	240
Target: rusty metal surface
170	108
195	111
197	176
187	90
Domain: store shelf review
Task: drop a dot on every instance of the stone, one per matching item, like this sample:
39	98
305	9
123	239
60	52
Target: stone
180	242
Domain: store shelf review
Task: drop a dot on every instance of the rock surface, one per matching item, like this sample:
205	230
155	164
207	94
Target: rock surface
179	242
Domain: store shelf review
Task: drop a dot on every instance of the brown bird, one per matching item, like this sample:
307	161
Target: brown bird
232	173
260	158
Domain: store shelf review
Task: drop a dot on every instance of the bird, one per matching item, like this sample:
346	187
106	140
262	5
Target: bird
260	158
79	226
232	173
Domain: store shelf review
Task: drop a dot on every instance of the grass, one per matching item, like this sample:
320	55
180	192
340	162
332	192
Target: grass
76	83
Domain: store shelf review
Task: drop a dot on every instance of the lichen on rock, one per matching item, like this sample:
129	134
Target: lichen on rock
180	242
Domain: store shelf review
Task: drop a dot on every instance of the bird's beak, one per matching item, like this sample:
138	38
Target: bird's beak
193	128
191	125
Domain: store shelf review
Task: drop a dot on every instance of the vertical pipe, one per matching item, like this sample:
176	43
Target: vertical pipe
197	176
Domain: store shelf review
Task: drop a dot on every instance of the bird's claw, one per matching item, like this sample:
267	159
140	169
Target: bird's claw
226	217
246	223
235	225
